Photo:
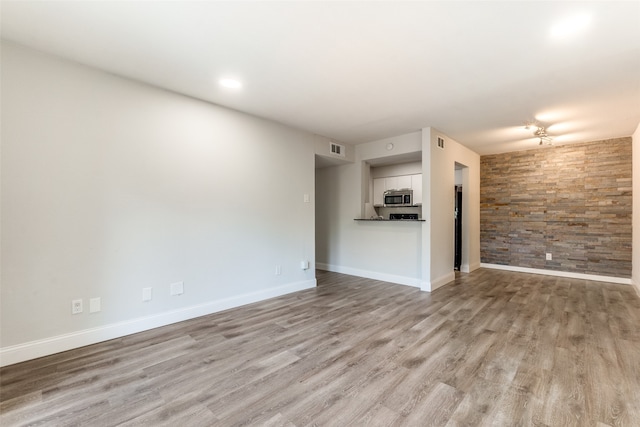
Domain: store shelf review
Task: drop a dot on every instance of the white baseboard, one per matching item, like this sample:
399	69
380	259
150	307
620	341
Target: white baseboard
34	349
610	279
439	282
401	280
470	267
636	285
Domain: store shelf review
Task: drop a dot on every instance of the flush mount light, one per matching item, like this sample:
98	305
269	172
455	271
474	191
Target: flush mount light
570	26
230	83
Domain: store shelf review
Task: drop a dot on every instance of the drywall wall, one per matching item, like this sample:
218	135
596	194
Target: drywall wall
379	250
440	179
110	186
635	275
572	201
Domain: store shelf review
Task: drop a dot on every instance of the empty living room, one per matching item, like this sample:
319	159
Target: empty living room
319	213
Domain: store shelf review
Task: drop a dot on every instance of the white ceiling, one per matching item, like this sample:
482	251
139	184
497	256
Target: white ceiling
360	71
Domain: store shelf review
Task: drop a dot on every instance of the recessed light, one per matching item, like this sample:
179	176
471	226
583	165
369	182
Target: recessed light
230	83
570	26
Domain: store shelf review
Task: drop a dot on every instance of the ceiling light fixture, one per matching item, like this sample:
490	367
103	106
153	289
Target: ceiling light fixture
230	83
539	132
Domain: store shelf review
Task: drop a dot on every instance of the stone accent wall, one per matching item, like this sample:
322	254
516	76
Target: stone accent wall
573	201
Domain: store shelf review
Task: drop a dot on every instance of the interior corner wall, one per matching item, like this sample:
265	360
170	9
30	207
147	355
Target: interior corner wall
441	184
110	186
573	201
635	275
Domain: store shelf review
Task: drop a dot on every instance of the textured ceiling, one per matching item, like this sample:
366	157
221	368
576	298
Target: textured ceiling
360	71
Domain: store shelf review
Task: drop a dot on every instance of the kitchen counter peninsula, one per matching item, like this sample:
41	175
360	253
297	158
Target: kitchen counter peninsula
389	220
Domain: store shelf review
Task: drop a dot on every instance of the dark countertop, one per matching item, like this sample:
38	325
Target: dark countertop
389	220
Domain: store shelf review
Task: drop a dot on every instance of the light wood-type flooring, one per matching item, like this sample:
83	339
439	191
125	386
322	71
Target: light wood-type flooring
492	348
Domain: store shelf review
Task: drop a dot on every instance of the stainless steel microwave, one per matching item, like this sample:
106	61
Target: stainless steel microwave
398	198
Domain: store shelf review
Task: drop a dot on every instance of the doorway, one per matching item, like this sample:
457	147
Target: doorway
457	214
460	227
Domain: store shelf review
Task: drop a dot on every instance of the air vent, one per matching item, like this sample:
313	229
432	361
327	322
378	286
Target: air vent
441	142
337	149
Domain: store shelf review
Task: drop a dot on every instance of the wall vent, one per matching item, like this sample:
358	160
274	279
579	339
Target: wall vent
337	149
441	142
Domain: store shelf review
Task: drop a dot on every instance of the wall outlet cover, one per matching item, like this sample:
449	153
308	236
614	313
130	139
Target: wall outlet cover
76	306
177	288
147	294
94	305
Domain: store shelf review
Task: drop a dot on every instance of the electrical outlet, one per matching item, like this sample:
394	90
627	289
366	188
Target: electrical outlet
549	257
146	294
94	305
304	265
76	306
278	270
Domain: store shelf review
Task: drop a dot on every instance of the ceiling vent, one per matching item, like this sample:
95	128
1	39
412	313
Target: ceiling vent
336	149
441	142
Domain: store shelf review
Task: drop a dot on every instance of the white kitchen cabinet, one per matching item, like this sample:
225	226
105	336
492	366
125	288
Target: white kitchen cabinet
403	182
391	183
397	182
416	186
378	191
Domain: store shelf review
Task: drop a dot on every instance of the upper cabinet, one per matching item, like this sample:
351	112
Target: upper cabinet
397	182
416	186
378	191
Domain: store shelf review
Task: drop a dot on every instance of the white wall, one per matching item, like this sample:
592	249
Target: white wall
109	186
440	179
388	251
635	225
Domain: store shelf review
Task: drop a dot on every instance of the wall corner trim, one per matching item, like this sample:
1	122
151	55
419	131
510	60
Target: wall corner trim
468	268
636	285
45	347
440	282
597	278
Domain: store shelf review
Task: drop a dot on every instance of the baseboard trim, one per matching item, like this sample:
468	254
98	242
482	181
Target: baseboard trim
400	280
636	285
439	282
597	278
468	268
45	347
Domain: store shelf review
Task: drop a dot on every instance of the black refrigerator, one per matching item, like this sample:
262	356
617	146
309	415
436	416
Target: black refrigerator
458	227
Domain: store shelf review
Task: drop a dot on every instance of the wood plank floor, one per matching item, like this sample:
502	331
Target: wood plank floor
493	348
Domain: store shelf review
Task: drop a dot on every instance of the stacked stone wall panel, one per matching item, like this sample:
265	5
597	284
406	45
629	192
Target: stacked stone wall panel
573	201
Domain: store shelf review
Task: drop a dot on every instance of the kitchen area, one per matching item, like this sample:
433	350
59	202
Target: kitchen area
395	192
